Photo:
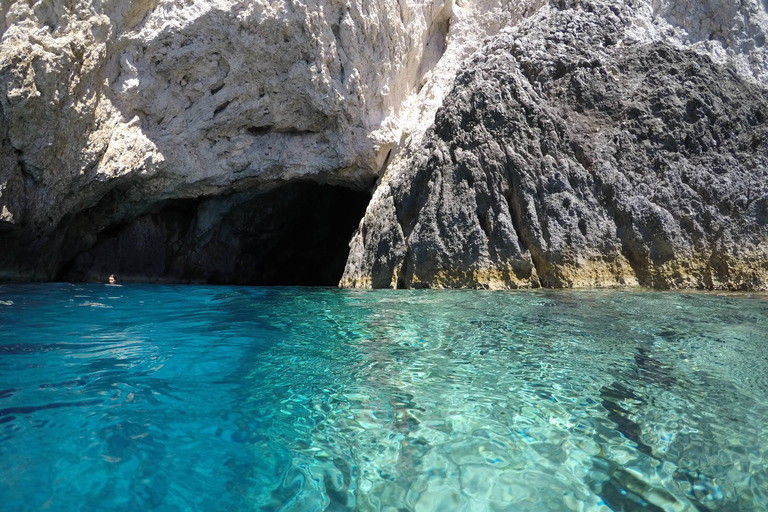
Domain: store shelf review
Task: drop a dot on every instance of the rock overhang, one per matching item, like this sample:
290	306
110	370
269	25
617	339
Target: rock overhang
158	102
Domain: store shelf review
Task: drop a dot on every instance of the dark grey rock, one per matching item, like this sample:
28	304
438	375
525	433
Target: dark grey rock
293	234
567	156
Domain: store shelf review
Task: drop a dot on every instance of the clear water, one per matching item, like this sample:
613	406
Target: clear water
213	398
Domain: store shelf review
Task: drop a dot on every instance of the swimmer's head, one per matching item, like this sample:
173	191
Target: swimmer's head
112	279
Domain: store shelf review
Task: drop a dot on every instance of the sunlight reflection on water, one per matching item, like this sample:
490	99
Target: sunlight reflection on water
227	398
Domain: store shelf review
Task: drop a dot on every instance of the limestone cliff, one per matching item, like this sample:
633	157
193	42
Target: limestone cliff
574	150
109	110
117	117
220	140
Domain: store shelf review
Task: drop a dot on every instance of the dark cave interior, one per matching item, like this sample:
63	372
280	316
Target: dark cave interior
292	235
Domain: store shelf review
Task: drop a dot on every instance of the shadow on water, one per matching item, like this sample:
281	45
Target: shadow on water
612	397
623	491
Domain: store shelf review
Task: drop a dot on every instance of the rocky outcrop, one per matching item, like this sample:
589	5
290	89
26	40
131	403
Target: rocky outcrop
159	100
570	152
110	111
156	139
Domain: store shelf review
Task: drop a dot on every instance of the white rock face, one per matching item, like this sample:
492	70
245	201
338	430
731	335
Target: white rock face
168	99
199	97
728	31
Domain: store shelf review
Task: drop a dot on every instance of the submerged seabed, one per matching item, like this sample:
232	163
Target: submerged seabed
213	398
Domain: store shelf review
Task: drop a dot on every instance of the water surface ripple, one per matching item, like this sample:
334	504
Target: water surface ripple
173	398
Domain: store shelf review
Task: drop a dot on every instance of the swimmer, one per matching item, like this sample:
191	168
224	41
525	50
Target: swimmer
112	279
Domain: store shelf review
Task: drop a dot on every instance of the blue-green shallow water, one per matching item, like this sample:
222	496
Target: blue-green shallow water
214	398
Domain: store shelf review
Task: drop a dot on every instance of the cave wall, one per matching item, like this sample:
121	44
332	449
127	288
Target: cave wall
295	234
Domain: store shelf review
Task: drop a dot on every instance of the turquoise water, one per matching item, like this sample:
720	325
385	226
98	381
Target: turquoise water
174	398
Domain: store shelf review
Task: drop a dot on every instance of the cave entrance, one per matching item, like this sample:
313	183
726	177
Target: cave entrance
293	235
297	235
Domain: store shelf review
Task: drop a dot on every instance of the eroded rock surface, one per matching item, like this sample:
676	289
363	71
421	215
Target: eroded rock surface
124	124
150	101
162	100
570	152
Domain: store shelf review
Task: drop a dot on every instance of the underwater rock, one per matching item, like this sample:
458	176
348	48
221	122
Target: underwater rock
569	153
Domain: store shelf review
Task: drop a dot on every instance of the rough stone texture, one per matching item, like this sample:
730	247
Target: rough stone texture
570	152
156	100
730	32
113	111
